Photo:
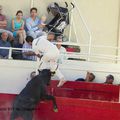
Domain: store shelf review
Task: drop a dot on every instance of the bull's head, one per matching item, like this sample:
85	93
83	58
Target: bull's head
46	73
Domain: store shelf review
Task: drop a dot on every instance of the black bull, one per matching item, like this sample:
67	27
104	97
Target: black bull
30	96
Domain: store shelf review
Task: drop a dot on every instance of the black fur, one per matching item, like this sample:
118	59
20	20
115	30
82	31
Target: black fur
29	97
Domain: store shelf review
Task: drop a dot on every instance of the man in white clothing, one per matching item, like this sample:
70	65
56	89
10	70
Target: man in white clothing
50	52
63	52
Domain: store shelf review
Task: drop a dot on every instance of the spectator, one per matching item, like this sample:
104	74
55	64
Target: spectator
51	37
34	25
18	27
89	77
28	55
4	43
3	25
109	79
63	52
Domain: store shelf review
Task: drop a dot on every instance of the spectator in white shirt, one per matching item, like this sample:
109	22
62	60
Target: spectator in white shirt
63	52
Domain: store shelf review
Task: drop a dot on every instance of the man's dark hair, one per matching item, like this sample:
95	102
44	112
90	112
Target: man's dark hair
33	9
92	76
29	39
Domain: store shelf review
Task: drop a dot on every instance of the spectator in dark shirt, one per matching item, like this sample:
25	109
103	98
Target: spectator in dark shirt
109	79
89	77
4	43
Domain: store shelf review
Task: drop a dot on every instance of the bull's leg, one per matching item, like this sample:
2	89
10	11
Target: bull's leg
50	97
28	115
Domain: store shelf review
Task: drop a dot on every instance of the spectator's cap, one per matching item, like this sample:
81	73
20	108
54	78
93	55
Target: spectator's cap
110	77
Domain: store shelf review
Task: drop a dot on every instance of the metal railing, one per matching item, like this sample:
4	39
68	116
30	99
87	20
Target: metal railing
77	54
85	25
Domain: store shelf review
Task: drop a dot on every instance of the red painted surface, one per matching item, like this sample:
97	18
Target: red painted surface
70	49
70	104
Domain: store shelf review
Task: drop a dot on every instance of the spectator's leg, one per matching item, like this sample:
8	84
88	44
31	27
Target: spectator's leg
21	39
24	35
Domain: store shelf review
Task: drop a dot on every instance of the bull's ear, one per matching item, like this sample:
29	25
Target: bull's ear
39	71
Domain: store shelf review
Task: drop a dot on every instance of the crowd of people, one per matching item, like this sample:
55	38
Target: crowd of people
90	77
22	32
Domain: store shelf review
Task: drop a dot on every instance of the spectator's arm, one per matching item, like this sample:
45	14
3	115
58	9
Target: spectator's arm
22	27
29	53
87	76
29	27
13	26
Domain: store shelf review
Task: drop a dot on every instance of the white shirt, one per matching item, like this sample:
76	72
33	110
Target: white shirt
41	44
63	54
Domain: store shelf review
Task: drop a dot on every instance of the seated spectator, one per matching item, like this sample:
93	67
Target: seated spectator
34	25
18	27
51	37
89	77
3	25
63	53
109	79
4	43
28	55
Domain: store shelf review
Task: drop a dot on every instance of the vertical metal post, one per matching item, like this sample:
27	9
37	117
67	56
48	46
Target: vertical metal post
89	48
118	35
119	94
89	32
10	53
71	22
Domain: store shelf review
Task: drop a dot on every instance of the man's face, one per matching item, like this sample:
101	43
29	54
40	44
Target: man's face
30	43
51	37
109	81
59	41
91	78
33	13
4	36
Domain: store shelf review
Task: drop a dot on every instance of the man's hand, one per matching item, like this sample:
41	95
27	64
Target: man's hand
61	82
42	25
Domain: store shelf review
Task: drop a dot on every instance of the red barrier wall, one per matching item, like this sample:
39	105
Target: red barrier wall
71	107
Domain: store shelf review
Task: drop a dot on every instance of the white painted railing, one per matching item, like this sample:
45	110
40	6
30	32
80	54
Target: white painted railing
85	25
77	54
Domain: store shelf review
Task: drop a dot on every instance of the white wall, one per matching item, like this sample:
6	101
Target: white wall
15	74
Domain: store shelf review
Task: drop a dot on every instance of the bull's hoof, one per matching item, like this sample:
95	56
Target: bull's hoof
55	110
